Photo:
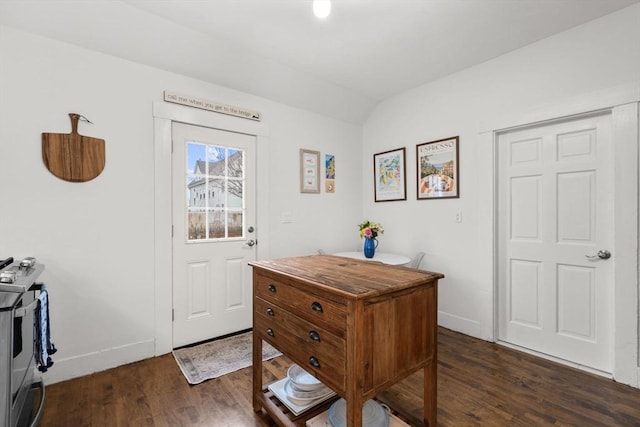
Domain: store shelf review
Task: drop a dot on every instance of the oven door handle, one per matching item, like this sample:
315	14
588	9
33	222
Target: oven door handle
22	311
39	384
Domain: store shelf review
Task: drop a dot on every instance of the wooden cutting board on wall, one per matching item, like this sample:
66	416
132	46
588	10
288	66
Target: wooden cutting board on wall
71	156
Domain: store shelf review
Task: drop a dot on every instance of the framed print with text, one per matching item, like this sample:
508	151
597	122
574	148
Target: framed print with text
438	169
390	175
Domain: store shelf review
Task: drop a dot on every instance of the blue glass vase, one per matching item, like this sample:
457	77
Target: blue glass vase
370	246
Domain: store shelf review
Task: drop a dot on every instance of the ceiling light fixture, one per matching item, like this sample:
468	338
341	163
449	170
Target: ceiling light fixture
321	8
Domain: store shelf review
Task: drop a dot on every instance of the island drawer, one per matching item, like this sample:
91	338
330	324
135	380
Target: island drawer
316	309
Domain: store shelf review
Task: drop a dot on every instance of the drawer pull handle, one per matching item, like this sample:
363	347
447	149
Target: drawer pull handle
314	336
272	288
270	332
270	311
316	306
313	361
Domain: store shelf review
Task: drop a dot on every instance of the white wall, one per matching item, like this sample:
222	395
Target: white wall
328	221
598	55
97	238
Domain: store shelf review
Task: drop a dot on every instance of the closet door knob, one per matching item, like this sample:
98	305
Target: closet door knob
602	254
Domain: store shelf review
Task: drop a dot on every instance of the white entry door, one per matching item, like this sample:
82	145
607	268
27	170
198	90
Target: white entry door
556	216
214	235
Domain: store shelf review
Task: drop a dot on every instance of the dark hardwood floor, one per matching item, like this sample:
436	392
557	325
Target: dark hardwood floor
479	384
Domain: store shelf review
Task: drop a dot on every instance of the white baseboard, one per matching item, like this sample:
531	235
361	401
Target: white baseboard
635	381
78	366
460	324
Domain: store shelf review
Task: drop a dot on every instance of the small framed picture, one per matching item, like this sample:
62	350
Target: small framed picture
438	170
389	174
309	171
330	173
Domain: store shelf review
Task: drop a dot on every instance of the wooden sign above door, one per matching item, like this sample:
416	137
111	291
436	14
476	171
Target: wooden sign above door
73	157
211	106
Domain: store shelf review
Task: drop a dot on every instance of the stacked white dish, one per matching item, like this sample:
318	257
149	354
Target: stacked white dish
300	391
373	414
302	388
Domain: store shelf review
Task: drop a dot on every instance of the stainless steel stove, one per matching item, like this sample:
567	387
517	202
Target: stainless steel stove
18	300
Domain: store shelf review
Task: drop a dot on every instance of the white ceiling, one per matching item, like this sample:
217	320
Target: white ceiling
366	51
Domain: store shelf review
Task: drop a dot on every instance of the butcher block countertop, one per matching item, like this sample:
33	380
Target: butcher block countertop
358	279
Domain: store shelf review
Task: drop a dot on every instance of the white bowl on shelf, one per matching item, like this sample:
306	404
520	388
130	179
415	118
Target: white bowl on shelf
303	398
373	414
303	380
293	391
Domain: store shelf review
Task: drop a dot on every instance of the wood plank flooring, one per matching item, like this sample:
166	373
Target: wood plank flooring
479	384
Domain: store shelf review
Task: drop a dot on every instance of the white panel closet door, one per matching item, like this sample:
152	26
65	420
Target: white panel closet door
555	214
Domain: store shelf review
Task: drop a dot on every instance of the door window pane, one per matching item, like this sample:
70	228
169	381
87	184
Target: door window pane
216	224
195	157
216	158
215	192
236	163
196	190
234	221
235	193
197	225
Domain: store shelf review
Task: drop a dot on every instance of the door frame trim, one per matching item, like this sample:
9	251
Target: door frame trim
163	116
622	102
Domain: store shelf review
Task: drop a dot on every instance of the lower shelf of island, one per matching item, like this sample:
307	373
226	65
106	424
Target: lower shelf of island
279	412
284	417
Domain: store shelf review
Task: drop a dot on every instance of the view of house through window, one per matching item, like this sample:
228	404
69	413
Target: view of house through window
215	196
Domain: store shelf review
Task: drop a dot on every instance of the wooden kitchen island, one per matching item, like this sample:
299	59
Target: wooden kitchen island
358	326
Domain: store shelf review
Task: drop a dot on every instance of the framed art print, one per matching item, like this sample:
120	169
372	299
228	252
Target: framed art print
330	173
438	170
390	175
309	171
